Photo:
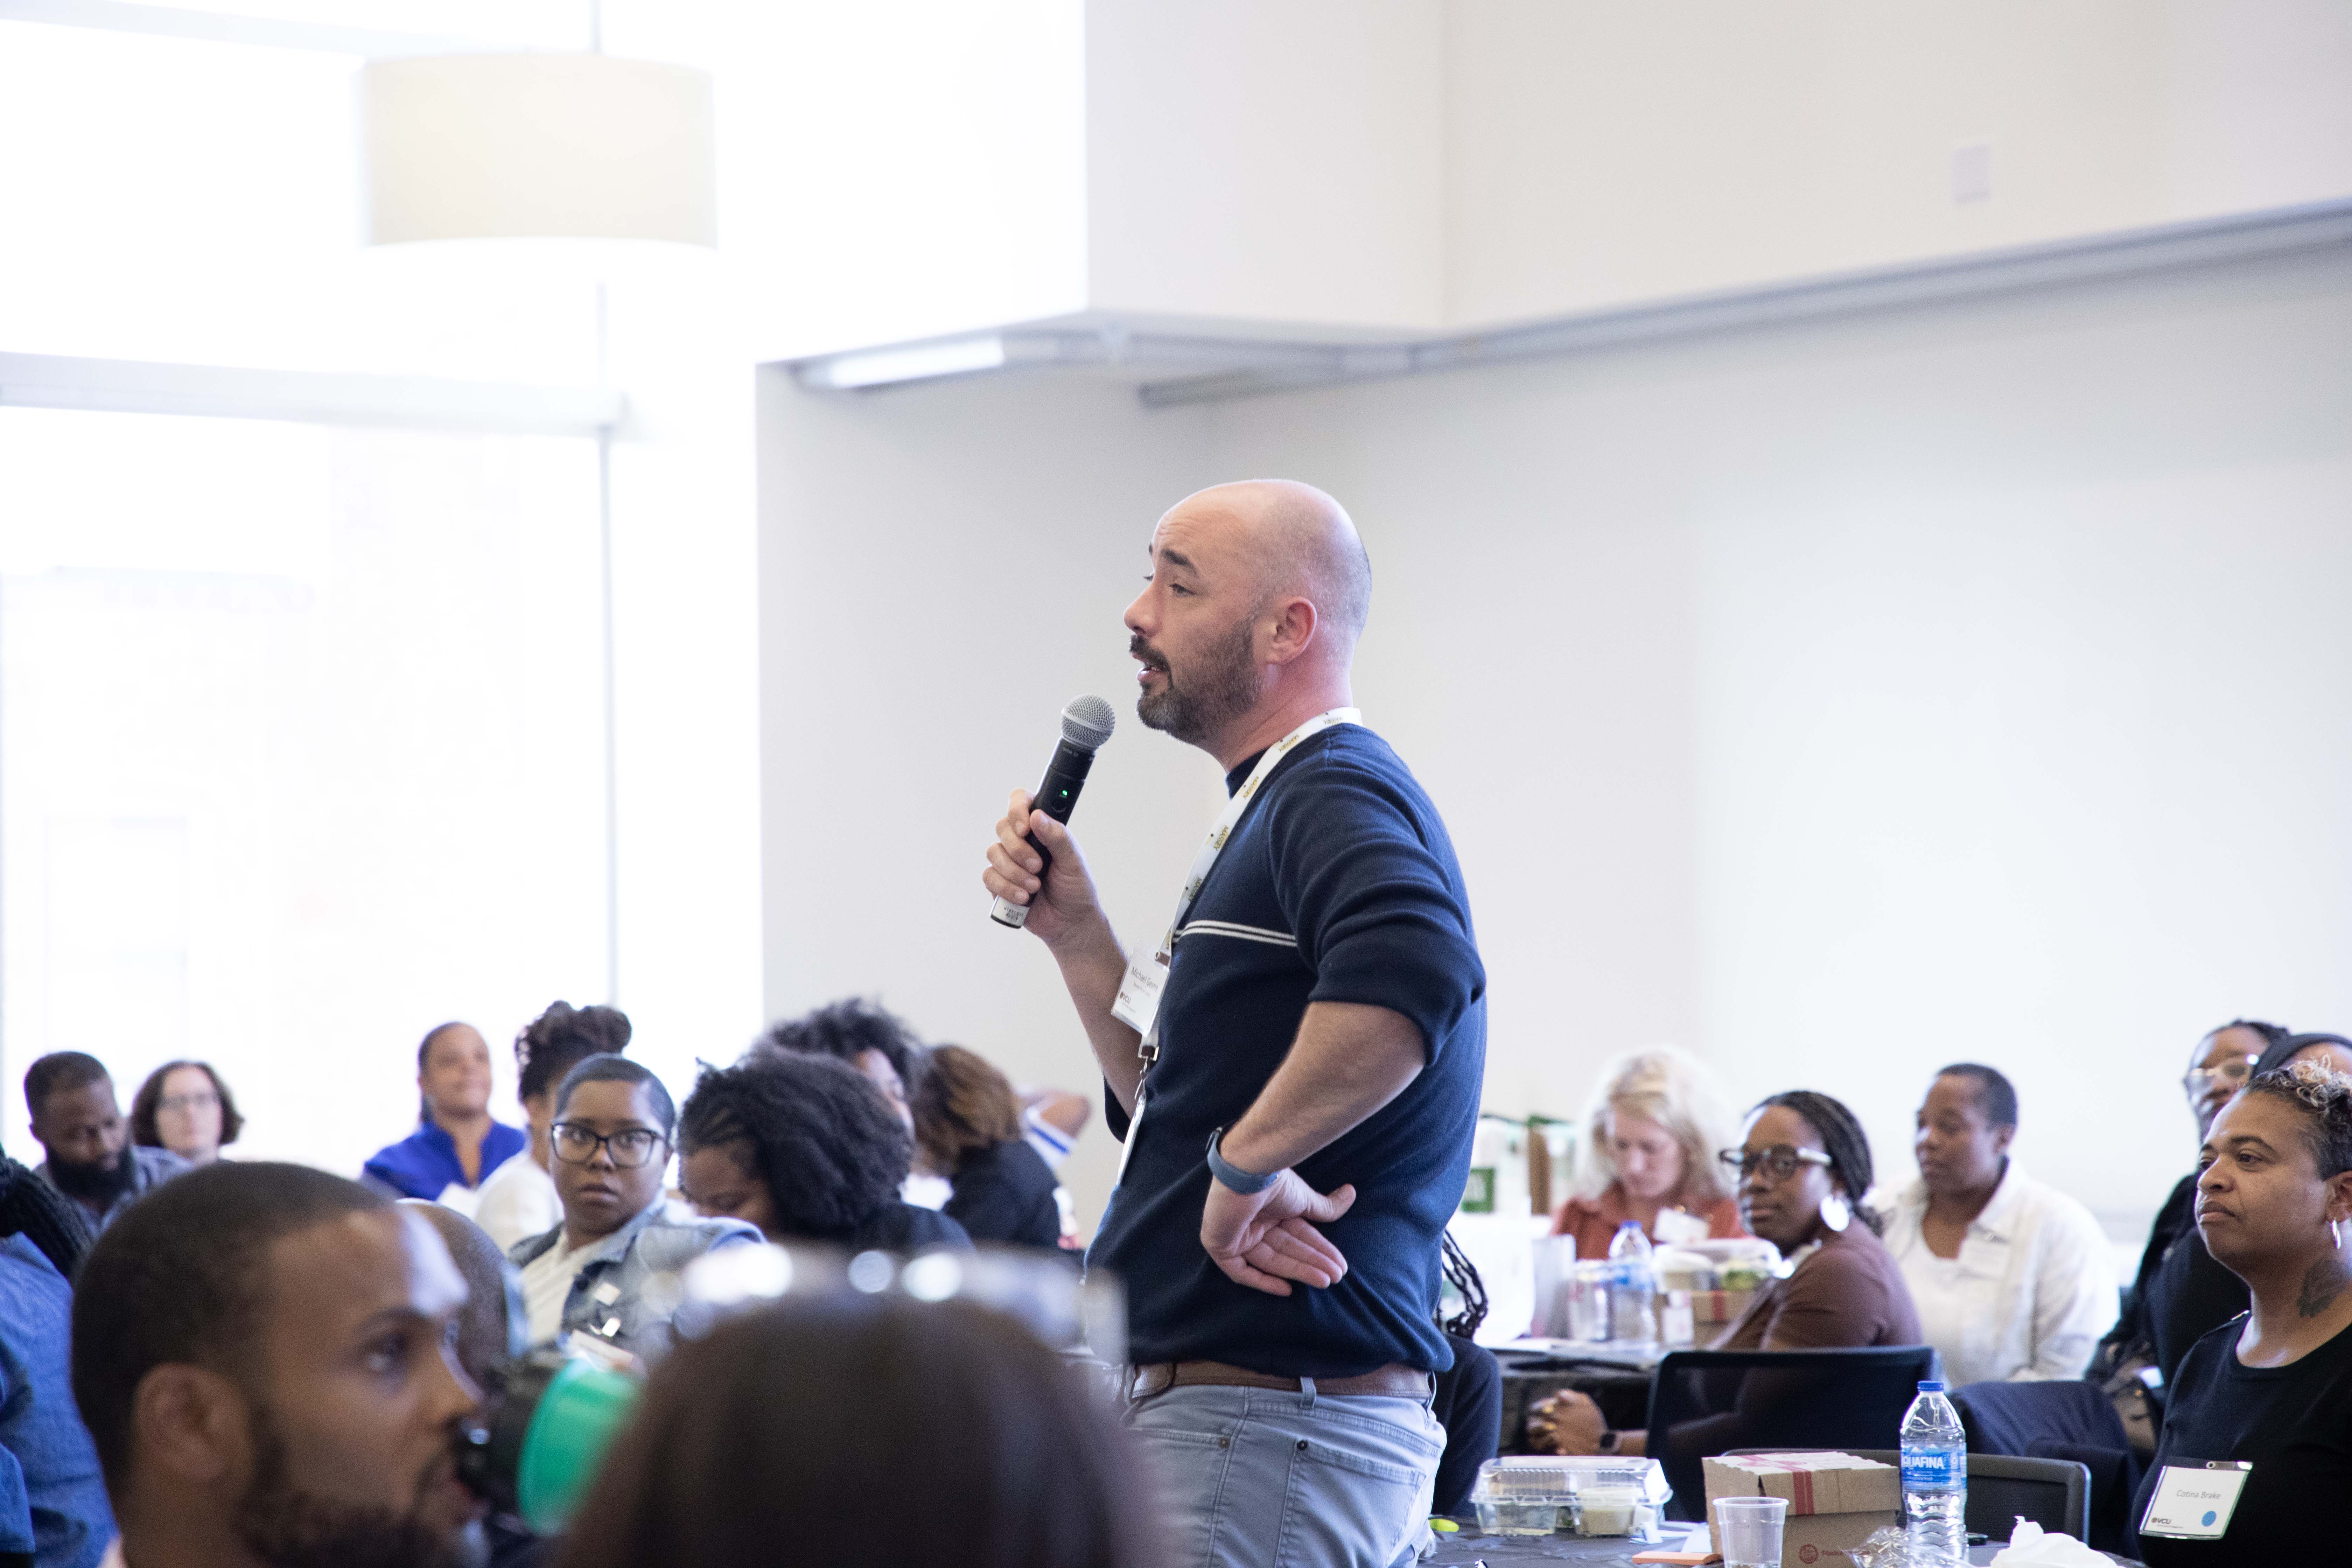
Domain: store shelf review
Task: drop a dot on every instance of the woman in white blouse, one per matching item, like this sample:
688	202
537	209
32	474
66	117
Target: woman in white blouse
2013	1280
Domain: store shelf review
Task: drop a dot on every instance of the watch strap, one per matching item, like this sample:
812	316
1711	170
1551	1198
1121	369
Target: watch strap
1247	1182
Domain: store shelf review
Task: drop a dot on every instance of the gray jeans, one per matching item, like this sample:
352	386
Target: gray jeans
1255	1477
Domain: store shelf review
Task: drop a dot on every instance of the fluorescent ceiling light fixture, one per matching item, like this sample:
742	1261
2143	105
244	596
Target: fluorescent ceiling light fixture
569	145
917	361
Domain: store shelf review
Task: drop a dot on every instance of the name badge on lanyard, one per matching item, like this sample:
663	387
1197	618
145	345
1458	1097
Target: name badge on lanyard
2194	1502
1137	1003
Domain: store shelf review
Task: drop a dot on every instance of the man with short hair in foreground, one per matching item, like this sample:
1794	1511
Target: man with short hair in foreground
263	1355
79	1121
1298	1111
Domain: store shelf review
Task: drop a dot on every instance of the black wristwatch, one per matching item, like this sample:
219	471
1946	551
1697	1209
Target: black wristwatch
1608	1442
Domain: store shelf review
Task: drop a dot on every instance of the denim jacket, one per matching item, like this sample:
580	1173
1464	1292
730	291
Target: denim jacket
609	1296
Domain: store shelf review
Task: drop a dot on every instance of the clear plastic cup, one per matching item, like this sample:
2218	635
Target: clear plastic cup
1751	1530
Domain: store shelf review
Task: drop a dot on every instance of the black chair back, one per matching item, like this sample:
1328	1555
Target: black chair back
1703	1404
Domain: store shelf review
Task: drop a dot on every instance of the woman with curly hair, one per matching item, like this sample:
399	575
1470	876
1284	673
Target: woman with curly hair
2268	1394
805	1147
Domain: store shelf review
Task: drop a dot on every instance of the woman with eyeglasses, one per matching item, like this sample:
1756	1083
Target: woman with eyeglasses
2267	1395
1802	1169
588	1277
185	1107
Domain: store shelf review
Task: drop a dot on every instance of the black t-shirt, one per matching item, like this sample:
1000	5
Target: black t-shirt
1339	884
2292	1423
1006	1194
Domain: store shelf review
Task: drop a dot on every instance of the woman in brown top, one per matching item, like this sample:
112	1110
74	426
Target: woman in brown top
1802	1168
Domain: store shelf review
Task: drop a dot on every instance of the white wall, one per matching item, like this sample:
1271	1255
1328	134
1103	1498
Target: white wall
1837	699
1599	154
1263	164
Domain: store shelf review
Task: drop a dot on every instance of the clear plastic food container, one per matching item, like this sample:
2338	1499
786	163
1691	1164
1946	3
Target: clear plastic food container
1600	1494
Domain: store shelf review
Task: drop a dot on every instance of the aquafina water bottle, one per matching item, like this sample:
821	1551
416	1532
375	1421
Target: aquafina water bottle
1632	1286
1935	1480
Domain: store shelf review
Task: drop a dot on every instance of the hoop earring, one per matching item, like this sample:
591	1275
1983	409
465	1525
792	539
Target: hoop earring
1836	1213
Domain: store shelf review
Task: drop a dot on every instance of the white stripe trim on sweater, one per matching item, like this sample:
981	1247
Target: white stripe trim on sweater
1231	929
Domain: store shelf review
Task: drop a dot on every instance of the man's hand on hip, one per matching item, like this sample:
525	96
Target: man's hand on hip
1266	1240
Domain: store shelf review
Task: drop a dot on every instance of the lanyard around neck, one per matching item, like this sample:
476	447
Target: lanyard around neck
1215	844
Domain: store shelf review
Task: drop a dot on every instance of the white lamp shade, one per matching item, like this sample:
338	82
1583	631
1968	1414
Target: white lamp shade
488	146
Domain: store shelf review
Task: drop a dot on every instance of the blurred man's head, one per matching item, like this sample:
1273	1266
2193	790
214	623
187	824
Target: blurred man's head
79	1121
264	1355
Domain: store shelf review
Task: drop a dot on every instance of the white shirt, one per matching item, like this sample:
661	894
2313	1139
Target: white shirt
546	1286
2031	1293
517	1201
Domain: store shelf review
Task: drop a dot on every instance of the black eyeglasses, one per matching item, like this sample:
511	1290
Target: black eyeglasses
1780	1160
631	1147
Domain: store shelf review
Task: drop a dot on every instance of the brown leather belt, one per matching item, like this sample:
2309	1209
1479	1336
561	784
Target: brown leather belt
1157	1377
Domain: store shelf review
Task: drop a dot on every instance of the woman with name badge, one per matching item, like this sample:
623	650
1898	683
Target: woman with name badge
2255	1460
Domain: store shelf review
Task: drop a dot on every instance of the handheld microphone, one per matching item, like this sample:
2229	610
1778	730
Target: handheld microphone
1087	723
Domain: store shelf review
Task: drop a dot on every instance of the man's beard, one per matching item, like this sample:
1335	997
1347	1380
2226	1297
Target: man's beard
1221	687
95	1184
287	1528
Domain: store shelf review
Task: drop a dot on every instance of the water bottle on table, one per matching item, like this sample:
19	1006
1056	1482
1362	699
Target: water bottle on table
1935	1480
1632	1286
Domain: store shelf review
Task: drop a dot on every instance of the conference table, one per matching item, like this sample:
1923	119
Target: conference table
1469	1547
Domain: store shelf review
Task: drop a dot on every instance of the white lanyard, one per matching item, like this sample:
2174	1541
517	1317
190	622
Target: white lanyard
1138	1003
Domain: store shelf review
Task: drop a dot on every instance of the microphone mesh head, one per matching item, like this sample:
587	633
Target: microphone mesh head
1087	722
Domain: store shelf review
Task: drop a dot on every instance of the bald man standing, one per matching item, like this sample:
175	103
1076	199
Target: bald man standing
1294	1067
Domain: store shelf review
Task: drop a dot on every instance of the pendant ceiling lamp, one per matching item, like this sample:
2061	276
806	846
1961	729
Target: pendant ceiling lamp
513	145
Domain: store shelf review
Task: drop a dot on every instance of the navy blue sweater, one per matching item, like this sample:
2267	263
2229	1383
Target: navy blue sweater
1337	885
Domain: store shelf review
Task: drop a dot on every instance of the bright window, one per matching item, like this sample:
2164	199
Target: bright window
302	752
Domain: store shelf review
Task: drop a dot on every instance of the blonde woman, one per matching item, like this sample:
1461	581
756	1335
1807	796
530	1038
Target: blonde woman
1649	1149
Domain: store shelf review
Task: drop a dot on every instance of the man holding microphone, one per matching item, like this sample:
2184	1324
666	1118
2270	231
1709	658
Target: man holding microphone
1294	1066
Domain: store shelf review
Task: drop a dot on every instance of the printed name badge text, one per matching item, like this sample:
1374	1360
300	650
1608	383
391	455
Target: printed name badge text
2193	1502
1138	992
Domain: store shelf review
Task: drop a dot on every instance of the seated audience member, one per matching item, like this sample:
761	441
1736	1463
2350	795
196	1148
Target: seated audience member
1466	1397
455	1143
2013	1278
1051	1121
882	1049
261	1354
2271	1390
185	1107
489	1331
614	1129
78	1123
831	1409
804	1148
1649	1139
1803	1170
969	1127
517	1199
55	1514
2180	1294
2332	1052
491	1328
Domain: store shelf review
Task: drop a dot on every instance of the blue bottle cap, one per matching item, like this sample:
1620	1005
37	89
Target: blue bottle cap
1933	1385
